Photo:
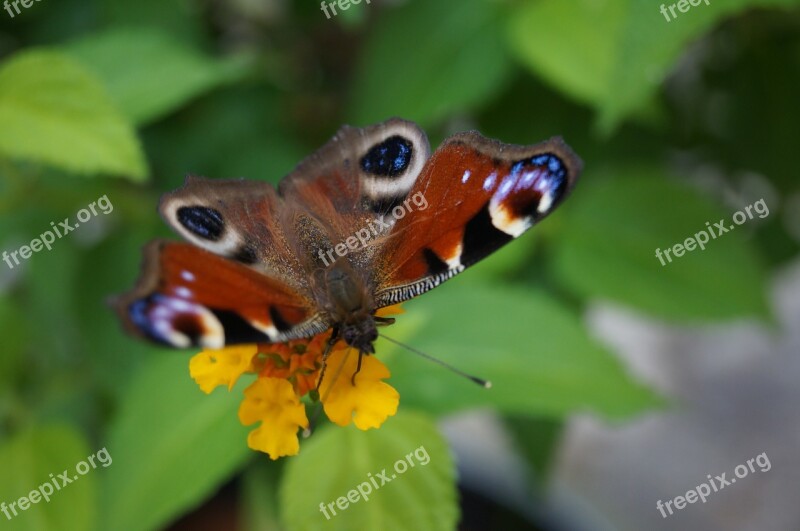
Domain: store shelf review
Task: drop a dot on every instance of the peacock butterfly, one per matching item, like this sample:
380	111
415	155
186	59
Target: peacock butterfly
369	220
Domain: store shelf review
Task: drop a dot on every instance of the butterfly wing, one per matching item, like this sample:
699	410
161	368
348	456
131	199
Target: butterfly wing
259	249
478	194
251	277
244	221
187	296
359	171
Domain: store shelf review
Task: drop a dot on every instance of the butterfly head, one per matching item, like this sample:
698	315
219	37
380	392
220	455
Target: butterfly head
361	334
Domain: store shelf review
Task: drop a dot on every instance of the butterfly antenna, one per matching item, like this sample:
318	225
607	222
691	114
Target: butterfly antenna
486	384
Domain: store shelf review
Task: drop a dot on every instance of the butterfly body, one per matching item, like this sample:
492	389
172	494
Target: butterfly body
349	306
369	220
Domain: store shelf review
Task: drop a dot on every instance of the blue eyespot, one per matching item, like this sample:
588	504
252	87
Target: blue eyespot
201	221
390	158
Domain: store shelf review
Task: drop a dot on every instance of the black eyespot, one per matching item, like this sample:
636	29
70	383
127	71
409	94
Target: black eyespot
202	221
390	158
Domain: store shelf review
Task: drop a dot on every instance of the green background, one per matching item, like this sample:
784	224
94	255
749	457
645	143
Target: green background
678	123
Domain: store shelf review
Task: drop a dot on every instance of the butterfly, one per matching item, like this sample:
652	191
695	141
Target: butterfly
369	220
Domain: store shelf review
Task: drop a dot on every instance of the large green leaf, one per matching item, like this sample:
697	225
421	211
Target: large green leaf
149	73
613	228
235	132
172	447
14	329
538	441
260	506
612	53
54	111
537	354
35	458
339	462
426	60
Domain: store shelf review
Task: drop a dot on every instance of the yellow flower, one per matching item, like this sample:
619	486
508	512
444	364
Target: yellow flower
212	368
285	373
273	402
369	402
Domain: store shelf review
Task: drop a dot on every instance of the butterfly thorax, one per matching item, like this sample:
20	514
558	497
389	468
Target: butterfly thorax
349	303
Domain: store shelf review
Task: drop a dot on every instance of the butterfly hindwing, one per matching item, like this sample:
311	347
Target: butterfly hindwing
481	195
187	296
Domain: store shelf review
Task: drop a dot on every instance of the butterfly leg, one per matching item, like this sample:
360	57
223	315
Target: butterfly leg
384	321
358	368
313	422
332	341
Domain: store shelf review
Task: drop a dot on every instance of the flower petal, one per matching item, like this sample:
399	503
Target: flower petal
394	309
369	402
212	368
274	402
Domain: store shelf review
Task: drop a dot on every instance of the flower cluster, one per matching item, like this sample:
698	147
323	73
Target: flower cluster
285	373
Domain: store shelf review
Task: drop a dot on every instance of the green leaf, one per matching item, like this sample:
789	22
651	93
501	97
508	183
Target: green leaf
261	149
27	462
613	227
55	112
506	262
537	440
539	357
426	60
613	54
260	511
148	73
14	330
336	462
172	446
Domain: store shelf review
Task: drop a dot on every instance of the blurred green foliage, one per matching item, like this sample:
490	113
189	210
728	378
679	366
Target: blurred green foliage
678	123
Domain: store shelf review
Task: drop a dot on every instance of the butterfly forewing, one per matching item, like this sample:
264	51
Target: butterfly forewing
481	195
